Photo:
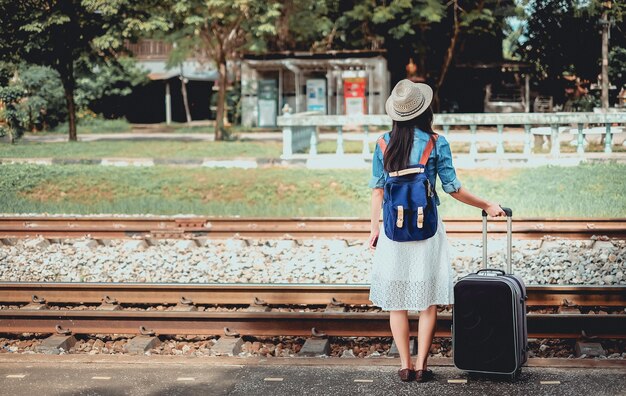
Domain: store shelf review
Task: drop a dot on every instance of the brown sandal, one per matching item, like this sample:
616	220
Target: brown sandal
406	374
424	375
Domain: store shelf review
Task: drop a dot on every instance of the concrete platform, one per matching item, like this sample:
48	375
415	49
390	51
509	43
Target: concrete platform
69	375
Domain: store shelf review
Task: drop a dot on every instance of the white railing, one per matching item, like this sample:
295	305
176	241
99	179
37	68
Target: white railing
300	131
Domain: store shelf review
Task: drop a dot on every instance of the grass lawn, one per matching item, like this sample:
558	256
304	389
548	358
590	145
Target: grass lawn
204	149
142	149
584	191
162	149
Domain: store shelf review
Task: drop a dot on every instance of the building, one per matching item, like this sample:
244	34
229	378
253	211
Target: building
162	99
333	82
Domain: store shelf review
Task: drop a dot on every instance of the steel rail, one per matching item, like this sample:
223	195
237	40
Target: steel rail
227	227
274	294
278	323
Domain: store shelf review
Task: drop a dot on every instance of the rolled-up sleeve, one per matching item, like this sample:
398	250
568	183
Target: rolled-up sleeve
449	182
378	175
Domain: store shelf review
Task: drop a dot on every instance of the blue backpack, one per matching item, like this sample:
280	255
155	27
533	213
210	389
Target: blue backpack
409	208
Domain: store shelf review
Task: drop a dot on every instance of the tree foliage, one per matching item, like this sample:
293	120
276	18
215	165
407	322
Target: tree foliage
57	33
565	36
218	31
435	33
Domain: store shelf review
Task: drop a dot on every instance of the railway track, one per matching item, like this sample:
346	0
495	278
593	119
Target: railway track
255	317
228	227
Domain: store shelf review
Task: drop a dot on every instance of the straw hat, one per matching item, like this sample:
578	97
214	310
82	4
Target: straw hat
408	100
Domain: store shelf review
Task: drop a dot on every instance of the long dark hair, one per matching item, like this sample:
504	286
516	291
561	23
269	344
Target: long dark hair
401	140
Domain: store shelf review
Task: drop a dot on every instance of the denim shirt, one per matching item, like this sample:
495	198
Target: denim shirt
439	162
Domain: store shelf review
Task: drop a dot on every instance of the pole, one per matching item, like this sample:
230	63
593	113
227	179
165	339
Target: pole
605	58
168	103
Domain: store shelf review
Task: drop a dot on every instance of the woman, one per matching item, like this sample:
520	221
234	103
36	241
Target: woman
415	275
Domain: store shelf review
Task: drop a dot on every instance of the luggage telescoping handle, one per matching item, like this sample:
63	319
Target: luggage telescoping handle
509	238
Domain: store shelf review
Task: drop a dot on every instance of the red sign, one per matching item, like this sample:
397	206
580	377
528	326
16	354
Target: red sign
354	96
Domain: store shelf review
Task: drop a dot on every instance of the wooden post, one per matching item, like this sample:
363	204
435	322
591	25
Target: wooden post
607	140
527	140
473	148
313	141
580	147
339	141
555	145
366	142
500	145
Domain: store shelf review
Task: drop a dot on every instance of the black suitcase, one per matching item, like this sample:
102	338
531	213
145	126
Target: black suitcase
489	332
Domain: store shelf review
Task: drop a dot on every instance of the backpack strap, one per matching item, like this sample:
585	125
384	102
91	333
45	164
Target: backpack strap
429	147
382	144
427	150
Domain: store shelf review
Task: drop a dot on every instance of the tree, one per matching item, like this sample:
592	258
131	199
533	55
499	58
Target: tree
564	36
13	125
219	30
56	33
435	30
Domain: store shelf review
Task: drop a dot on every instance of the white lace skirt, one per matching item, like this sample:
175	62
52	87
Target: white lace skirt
412	275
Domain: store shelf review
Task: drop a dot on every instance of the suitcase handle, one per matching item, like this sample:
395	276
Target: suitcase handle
509	238
507	211
501	272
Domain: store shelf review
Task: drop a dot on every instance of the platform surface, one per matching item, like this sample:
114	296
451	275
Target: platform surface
225	377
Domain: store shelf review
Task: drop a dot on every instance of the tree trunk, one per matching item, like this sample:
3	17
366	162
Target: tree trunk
183	88
449	55
67	78
605	62
221	100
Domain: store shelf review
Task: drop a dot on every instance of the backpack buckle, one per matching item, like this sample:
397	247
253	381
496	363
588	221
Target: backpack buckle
400	219
420	217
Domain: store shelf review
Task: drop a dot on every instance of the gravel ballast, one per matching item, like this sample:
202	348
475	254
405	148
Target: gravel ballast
548	261
341	347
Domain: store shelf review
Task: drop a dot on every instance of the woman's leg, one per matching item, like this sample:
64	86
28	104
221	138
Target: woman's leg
425	334
399	321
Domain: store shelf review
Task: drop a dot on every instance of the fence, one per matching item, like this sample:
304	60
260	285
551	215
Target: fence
300	131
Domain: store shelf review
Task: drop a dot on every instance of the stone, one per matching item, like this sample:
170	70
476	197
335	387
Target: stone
186	244
348	353
227	346
258	308
104	306
236	244
550	244
335	308
53	344
184	307
135	244
564	310
315	347
88	244
141	344
39	243
9	241
286	244
393	351
98	344
589	349
602	245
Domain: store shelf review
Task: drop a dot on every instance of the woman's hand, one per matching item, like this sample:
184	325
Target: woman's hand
494	210
373	239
